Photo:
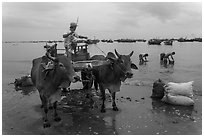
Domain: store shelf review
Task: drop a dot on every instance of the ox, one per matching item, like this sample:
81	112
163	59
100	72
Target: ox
48	83
110	76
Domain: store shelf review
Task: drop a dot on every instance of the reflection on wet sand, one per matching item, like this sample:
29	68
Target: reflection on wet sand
26	90
167	68
85	121
171	111
78	117
166	65
88	120
143	63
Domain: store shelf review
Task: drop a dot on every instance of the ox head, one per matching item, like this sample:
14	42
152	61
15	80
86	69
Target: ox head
52	49
64	69
124	65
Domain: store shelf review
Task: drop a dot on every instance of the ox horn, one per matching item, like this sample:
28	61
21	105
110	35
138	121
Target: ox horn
131	53
117	53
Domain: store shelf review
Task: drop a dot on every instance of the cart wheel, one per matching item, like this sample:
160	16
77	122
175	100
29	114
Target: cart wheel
87	75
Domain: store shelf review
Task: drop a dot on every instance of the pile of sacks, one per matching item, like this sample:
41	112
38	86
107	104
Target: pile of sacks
179	93
174	93
24	81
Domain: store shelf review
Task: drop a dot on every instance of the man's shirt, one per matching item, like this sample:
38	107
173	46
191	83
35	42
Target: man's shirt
71	38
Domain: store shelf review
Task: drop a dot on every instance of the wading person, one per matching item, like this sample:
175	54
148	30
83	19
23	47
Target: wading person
143	57
70	40
167	56
162	56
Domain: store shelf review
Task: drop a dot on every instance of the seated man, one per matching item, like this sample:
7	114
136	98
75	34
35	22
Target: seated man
70	40
50	53
143	57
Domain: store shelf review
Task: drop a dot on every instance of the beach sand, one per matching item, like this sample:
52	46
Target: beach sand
138	115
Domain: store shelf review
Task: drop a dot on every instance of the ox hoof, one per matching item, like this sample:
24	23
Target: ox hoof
115	108
103	110
46	124
57	119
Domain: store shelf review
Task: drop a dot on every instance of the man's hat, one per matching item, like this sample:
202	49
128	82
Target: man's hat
73	24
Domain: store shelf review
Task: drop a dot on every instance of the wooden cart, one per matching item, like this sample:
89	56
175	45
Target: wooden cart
82	63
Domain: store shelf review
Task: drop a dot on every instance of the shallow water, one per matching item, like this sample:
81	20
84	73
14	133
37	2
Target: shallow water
140	115
187	67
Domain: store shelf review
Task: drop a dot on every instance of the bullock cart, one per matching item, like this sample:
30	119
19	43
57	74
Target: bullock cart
49	81
85	66
82	63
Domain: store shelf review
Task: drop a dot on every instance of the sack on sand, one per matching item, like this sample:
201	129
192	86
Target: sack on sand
158	89
178	100
183	89
24	81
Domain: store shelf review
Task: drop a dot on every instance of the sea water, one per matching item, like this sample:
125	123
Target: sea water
17	60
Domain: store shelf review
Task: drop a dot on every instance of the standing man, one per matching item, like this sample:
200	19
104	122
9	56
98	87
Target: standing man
70	40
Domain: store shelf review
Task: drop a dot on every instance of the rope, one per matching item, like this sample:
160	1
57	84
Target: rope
100	50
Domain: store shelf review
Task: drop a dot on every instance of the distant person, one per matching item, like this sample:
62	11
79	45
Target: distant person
167	58
162	56
70	40
143	57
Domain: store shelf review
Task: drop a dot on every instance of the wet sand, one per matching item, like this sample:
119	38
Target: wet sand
138	115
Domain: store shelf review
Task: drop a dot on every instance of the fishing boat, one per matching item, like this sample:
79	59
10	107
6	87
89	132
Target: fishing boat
154	42
168	42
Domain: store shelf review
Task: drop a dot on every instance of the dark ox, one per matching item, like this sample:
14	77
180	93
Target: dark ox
48	84
110	76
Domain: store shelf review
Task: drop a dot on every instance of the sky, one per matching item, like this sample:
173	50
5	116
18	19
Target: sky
102	20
